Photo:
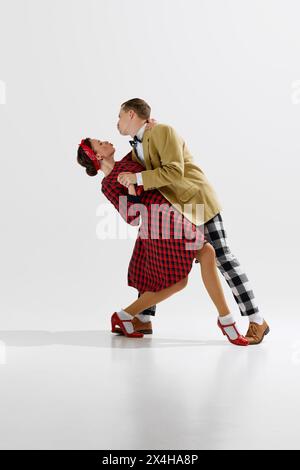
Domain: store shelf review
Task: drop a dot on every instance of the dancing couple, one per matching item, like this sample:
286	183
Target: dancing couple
152	187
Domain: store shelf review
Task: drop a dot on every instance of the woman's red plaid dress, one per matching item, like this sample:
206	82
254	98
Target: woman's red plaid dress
159	259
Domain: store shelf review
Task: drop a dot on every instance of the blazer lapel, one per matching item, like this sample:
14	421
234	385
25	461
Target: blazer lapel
146	139
134	156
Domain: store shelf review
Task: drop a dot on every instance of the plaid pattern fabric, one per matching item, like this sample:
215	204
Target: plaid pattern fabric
157	262
229	266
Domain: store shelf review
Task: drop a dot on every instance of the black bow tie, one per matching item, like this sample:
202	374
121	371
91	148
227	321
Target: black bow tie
134	142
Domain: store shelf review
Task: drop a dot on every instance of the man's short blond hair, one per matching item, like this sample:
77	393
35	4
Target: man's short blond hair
140	107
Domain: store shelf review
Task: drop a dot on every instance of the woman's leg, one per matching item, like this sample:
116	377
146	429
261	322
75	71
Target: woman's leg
152	298
210	276
211	280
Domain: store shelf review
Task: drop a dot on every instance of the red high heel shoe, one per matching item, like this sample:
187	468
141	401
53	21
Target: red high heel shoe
239	341
116	321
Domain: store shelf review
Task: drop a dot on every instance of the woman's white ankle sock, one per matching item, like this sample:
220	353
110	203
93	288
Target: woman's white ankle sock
126	316
229	320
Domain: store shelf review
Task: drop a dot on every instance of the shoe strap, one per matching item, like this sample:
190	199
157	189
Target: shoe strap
123	320
229	325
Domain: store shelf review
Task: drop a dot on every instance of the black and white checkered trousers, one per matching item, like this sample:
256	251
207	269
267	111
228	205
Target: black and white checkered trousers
229	266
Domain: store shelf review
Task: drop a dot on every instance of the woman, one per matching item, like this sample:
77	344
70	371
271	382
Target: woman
160	262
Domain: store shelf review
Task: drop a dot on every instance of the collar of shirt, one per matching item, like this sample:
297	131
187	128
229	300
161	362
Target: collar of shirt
141	131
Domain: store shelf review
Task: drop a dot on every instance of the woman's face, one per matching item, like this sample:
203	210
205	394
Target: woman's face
104	150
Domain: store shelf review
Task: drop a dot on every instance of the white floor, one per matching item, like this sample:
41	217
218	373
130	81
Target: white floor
180	389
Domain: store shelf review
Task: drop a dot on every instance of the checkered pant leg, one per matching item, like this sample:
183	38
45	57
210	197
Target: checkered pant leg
149	310
230	267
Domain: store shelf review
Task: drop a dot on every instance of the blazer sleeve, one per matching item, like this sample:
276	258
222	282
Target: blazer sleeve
170	150
123	202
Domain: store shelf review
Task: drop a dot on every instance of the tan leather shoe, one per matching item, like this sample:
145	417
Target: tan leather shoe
142	327
139	327
256	332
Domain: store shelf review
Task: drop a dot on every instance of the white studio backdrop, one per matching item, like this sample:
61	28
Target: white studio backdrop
224	73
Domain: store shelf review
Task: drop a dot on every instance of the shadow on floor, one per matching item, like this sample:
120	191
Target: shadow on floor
96	339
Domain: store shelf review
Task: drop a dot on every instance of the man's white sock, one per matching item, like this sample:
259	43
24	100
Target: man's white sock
143	318
256	318
126	316
229	320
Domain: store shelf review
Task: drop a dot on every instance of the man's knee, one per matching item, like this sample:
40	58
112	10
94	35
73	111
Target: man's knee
225	256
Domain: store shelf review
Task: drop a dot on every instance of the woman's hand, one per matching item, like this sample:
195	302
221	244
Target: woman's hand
131	190
151	123
127	178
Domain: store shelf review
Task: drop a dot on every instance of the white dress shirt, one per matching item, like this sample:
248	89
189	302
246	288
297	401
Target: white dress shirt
140	153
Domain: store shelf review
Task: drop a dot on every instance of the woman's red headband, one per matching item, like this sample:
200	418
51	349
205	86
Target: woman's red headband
91	154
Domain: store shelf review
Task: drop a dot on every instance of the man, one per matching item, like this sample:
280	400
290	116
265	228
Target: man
169	167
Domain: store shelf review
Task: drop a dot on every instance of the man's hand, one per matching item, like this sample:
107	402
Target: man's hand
151	123
127	178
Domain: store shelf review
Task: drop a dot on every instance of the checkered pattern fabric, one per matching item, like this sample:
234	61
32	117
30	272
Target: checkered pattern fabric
157	262
229	266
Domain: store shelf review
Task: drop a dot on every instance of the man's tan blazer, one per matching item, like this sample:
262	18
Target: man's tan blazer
171	170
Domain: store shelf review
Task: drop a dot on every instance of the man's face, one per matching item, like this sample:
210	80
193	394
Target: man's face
125	121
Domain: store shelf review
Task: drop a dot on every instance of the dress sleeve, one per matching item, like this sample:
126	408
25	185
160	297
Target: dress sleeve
118	195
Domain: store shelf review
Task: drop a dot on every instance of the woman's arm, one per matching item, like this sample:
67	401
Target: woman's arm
123	199
132	199
131	190
134	194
